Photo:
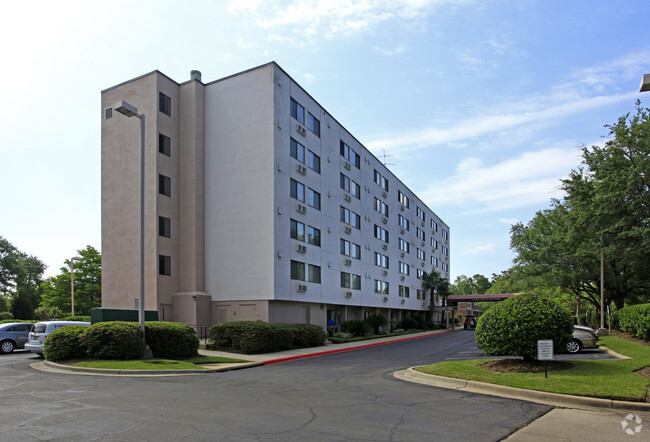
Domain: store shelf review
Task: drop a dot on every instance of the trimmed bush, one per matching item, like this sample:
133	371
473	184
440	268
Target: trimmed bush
262	337
6	315
65	343
635	320
171	340
408	323
76	318
114	340
375	321
513	327
356	328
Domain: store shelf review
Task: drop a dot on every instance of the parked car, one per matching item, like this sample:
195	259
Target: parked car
40	330
14	335
583	337
470	322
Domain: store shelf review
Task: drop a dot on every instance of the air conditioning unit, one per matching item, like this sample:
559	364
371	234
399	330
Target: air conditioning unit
301	129
384	246
401	207
348	262
347	197
385	298
422	244
403	301
402	277
302	288
347	165
384	220
300	208
384	194
384	272
422	264
348	229
401	231
302	248
348	294
302	169
402	254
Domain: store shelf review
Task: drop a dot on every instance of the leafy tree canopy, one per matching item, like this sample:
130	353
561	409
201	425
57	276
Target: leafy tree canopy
474	285
20	276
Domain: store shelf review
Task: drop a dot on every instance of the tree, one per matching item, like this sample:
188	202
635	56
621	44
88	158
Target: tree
87	284
20	276
606	209
475	285
437	287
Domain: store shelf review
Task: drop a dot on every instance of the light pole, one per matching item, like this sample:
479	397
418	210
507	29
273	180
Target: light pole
131	111
72	260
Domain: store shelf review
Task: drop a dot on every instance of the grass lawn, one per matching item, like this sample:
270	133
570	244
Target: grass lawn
612	379
158	364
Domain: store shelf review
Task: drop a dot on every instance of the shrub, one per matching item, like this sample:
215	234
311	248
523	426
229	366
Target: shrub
114	340
408	323
76	318
263	337
171	340
342	335
635	320
6	315
356	328
47	313
375	321
65	343
513	327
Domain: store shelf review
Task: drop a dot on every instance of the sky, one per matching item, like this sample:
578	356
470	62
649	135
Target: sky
480	107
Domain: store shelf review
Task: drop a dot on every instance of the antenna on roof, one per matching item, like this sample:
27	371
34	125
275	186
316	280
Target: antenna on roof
384	156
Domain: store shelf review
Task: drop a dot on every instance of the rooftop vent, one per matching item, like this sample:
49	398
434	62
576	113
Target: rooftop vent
195	75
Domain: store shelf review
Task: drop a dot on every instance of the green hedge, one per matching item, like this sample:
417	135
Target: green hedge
513	327
65	343
171	340
635	320
262	337
76	318
356	327
114	340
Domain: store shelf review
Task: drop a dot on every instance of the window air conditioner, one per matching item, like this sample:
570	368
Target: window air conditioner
301	169
302	288
302	248
348	262
348	294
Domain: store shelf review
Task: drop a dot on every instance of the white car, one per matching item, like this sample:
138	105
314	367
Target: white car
40	330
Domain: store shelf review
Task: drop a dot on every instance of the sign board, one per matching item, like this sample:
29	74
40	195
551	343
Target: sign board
545	350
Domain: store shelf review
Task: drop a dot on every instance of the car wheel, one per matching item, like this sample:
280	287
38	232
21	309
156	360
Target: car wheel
573	346
7	346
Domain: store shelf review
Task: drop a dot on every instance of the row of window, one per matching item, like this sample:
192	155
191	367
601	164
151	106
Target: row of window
301	272
297	151
298	112
298	192
297	231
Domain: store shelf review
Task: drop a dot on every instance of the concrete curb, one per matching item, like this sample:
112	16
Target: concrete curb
541	397
111	372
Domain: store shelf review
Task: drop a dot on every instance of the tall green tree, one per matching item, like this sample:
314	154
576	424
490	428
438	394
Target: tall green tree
437	287
87	284
20	276
474	285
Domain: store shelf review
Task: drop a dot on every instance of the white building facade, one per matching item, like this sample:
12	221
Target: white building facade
259	205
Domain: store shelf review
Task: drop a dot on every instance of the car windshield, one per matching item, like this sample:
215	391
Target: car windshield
40	328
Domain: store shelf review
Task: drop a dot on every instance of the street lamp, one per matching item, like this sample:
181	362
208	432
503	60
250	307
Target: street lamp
72	260
131	111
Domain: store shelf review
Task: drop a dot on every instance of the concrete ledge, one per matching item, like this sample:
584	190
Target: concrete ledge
542	397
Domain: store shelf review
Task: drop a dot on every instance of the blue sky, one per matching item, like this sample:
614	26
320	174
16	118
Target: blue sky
482	106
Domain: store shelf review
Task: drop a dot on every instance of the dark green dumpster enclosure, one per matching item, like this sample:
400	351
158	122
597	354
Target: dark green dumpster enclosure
99	314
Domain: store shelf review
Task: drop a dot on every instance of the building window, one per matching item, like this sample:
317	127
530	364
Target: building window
313	274
298	270
350	186
420	213
350	155
351	218
421	254
381	260
164	265
445	267
420	233
445	251
404	268
381	287
420	274
313	236
403	199
381	234
164	104
421	295
381	207
381	181
313	198
403	222
297	111
164	145
434	243
297	150
164	185
445	235
403	245
313	161
434	226
297	230
350	281
164	227
313	124
404	291
297	190
434	261
350	249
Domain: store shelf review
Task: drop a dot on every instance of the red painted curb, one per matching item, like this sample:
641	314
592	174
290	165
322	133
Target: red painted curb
342	350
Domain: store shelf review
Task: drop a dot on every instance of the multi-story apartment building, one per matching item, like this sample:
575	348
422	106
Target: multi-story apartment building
258	205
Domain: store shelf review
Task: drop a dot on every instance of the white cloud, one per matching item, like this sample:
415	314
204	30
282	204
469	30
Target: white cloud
309	78
529	179
509	221
480	250
392	51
